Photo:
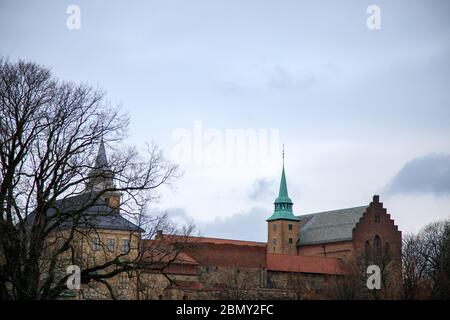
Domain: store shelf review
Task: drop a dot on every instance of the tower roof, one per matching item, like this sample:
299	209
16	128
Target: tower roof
101	162
283	196
101	176
283	204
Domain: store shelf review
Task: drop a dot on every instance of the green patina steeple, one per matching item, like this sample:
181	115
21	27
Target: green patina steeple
283	196
283	204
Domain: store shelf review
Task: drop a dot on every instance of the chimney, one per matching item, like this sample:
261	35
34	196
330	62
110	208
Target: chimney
376	199
159	235
113	200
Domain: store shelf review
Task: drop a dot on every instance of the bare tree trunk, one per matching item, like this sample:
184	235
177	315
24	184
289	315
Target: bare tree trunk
49	132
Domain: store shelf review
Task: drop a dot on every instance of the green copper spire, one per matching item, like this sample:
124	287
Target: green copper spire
283	196
283	204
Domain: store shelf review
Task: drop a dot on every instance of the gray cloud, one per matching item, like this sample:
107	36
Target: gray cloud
250	225
427	174
262	189
176	213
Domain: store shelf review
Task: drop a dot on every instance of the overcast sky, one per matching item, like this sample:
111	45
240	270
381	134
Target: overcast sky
361	112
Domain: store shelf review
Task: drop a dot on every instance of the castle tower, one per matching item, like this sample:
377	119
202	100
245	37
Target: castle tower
283	225
101	177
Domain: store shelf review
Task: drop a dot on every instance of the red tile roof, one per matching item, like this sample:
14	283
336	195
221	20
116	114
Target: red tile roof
304	264
184	258
218	241
223	252
248	254
154	251
228	255
186	284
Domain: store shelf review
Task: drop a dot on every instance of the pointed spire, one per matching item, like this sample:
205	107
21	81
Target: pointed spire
283	204
283	196
283	193
101	161
101	176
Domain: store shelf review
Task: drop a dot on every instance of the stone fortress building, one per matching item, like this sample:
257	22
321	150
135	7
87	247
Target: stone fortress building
305	256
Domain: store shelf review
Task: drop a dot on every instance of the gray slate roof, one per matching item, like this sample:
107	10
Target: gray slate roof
329	226
98	215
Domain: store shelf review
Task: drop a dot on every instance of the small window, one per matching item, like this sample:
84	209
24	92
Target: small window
125	246
377	248
111	244
377	218
274	227
123	281
96	244
290	241
290	226
274	241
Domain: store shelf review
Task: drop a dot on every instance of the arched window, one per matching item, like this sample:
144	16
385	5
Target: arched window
367	251
377	248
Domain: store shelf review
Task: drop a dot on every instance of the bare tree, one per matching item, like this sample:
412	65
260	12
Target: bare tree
237	283
353	284
426	262
49	132
350	286
301	286
414	266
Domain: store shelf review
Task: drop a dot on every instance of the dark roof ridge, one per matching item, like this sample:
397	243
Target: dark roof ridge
328	211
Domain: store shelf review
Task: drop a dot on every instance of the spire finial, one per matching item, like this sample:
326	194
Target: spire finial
103	133
283	154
